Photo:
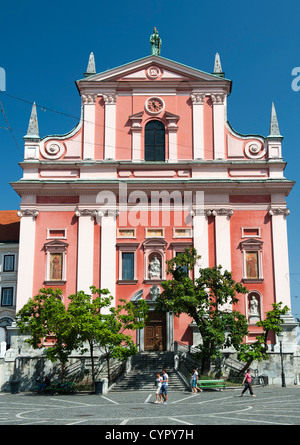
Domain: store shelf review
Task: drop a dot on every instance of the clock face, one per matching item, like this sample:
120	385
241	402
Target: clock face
154	105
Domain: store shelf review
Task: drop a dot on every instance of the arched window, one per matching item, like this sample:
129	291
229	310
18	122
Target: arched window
155	141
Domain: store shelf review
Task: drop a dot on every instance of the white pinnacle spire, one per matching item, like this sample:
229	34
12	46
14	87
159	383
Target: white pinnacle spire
217	67
274	127
33	128
91	68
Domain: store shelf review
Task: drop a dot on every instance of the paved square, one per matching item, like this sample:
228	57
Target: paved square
271	406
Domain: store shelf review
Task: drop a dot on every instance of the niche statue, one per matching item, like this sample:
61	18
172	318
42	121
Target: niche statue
154	270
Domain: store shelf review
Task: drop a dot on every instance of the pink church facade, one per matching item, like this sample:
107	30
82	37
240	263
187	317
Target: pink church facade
154	167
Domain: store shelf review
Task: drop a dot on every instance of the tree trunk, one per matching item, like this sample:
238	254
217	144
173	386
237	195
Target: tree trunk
63	371
205	359
205	365
247	366
93	365
108	367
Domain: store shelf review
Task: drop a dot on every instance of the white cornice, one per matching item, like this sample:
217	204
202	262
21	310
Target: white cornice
260	163
234	187
157	61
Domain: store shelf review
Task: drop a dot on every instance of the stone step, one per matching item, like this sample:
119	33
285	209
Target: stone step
143	373
153	360
145	382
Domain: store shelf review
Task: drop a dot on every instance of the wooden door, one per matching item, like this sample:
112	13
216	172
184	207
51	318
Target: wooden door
155	332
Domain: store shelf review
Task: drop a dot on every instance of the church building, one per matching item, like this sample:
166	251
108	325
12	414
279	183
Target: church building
154	167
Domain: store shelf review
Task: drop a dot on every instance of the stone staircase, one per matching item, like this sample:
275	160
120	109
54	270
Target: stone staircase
143	373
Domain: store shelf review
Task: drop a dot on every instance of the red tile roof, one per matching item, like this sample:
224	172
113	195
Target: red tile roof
9	226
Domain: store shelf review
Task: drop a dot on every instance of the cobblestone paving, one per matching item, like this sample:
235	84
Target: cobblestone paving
124	411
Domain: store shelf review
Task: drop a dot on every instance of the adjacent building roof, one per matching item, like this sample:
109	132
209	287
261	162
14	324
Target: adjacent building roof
9	226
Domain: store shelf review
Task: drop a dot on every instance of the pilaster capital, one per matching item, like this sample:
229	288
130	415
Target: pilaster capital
197	98
218	99
112	212
110	98
198	212
88	98
96	213
136	120
86	212
28	212
220	212
279	211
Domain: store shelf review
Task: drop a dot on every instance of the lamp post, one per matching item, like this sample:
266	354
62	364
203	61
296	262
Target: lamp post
280	338
17	372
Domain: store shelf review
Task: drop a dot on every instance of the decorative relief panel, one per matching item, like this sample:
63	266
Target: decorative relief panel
255	150
153	72
52	150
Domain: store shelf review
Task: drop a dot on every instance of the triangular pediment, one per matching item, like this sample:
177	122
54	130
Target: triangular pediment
153	68
56	243
154	72
251	243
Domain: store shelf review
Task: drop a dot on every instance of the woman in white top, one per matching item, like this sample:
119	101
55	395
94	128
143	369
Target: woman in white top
194	382
157	384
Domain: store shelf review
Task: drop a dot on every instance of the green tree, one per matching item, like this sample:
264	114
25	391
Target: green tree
114	338
45	315
98	323
205	299
258	350
89	320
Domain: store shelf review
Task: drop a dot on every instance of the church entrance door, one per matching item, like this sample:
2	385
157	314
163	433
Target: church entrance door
155	332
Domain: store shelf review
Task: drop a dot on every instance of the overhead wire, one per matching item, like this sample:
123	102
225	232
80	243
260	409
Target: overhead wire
9	127
186	148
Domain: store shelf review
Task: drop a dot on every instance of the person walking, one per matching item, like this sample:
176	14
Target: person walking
164	386
247	383
194	381
157	385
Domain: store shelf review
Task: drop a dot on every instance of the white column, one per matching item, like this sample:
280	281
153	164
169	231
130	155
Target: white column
85	262
198	133
200	238
110	126
172	145
136	144
136	130
26	257
219	133
88	126
223	243
108	272
280	256
172	131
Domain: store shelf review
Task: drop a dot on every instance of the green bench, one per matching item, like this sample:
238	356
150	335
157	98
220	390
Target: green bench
204	384
59	388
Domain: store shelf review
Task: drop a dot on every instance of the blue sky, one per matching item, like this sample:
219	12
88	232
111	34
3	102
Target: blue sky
45	47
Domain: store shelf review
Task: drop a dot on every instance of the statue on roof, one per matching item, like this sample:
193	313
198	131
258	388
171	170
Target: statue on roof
155	43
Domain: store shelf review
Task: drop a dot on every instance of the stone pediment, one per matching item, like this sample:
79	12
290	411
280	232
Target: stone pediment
153	68
154	72
251	243
56	244
154	242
